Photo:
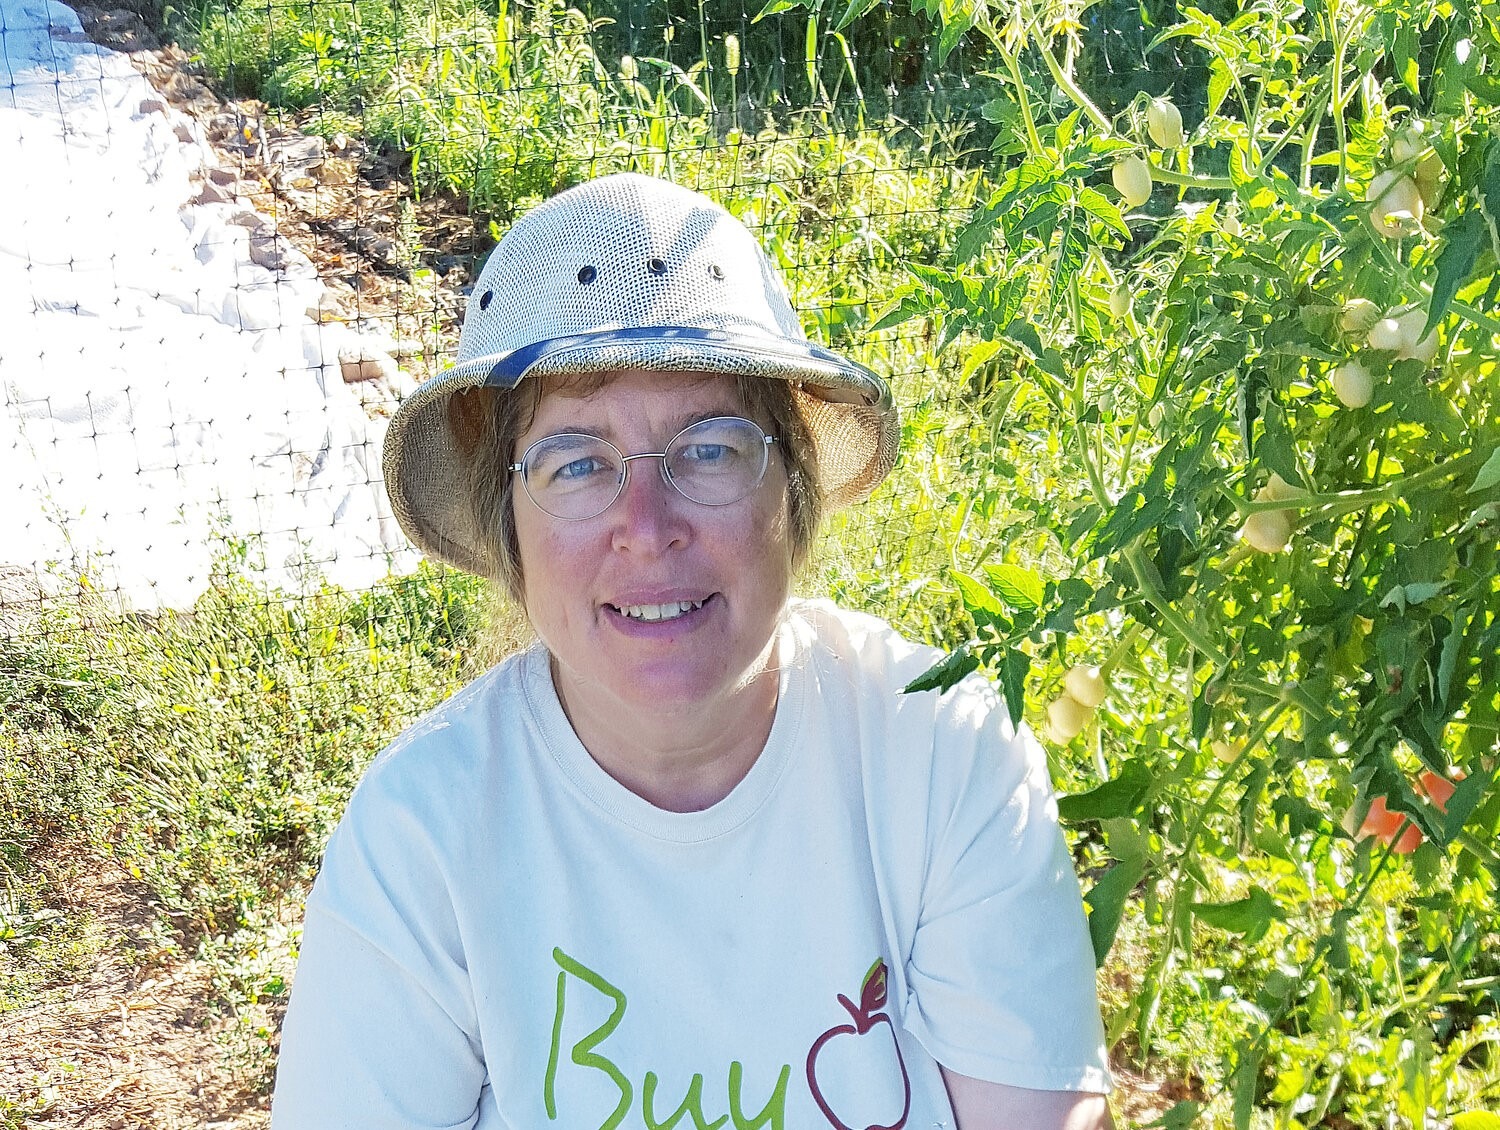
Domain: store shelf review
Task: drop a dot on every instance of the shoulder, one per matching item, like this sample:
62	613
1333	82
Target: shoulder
451	751
878	663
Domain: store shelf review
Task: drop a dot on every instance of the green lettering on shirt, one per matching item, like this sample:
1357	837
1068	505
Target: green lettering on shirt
693	1102
582	1052
773	1113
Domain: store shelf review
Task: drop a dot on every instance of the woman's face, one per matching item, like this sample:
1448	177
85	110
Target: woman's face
653	547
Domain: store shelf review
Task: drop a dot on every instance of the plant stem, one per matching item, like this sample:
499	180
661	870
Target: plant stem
1206	809
1189	180
1170	615
1066	84
1012	65
1121	649
1343	502
1469	313
1478	847
1336	101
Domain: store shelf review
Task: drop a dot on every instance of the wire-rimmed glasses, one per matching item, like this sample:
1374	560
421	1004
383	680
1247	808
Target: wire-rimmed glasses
713	462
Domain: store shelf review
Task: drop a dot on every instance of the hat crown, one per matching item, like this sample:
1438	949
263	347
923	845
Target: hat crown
624	252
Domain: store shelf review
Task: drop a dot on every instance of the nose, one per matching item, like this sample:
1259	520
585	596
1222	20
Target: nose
650	514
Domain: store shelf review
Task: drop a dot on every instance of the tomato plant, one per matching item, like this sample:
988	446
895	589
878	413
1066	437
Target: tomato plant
1272	501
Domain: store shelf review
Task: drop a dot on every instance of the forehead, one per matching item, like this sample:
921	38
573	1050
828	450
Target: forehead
603	400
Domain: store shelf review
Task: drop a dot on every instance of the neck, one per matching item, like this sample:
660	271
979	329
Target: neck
680	760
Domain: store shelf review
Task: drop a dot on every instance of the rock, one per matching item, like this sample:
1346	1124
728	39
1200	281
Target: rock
336	170
269	250
211	193
221	175
375	246
116	28
336	302
360	361
381	397
250	219
294	158
151	106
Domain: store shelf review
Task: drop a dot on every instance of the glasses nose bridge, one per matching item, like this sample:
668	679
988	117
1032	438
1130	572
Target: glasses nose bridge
625	461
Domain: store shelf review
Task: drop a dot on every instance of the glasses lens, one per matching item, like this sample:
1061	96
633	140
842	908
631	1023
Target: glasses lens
719	461
572	476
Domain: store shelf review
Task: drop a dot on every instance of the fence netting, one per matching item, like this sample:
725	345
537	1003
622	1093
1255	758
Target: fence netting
233	236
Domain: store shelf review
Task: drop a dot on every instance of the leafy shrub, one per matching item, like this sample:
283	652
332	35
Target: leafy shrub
1285	568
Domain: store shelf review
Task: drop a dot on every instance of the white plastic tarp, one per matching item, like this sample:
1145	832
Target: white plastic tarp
164	397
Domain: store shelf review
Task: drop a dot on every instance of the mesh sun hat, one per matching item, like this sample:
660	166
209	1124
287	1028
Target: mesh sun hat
628	272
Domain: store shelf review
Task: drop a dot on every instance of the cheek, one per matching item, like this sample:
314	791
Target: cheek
543	557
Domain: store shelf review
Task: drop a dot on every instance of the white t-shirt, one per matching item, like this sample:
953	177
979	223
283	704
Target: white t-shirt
504	936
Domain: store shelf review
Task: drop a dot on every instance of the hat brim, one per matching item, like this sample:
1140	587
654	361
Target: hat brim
848	409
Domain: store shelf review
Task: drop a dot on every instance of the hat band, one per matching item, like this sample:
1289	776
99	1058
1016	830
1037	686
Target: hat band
509	368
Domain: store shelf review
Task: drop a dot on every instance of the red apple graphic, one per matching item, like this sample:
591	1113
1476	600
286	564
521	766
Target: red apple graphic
872	996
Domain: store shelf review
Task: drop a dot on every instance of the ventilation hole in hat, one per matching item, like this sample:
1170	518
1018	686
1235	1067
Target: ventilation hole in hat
485	299
587	274
715	271
656	266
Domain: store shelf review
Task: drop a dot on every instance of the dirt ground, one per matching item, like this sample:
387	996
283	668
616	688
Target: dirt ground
137	1041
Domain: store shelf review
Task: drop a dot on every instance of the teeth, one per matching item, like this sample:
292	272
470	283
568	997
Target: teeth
669	611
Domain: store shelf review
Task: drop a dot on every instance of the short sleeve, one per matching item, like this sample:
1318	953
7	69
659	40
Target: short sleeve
1001	970
381	1027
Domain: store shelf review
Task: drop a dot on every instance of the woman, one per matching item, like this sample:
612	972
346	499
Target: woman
692	860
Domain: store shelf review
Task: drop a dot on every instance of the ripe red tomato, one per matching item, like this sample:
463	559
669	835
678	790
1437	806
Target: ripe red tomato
1436	788
1382	823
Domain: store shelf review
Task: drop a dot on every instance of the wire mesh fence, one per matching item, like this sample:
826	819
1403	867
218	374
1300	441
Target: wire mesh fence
234	237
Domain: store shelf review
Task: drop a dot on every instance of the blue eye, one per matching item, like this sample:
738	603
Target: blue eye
580	468
706	452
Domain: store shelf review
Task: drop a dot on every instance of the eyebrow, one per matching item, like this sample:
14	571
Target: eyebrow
681	422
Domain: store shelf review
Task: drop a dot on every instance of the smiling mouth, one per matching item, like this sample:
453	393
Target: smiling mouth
654	612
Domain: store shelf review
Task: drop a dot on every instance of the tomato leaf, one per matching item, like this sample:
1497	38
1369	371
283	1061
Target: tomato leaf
1096	204
1024	334
1488	475
1476	1120
1019	587
1179	1116
944	673
975	596
1489	191
1119	796
1276	450
1106	903
1250	916
1246	1079
1462	240
1015	665
775	7
1464	801
1338	940
1219	82
1452	648
976	234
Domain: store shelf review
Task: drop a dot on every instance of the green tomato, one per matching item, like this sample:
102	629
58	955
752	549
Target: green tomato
1132	179
1164	123
1086	685
1352	384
